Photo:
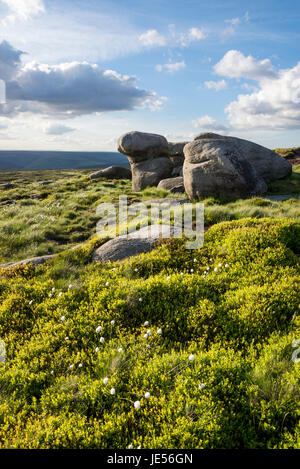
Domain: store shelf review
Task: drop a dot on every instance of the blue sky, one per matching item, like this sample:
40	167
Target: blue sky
79	73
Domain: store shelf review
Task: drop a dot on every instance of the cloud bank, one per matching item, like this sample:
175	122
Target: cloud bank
275	102
68	89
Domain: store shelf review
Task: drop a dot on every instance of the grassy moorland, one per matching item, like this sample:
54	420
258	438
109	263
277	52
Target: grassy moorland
37	219
201	339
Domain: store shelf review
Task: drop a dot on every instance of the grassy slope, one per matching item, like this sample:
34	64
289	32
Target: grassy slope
37	220
238	321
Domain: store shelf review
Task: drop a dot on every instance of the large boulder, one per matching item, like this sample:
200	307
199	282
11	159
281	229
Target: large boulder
140	146
148	155
268	164
150	172
135	243
217	168
174	185
112	172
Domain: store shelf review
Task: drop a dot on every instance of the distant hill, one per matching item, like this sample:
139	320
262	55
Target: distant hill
59	159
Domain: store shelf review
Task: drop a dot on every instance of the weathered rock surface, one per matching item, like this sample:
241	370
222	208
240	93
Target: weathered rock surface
177	171
150	172
174	185
33	261
135	243
112	172
215	167
140	146
148	155
176	154
7	186
268	164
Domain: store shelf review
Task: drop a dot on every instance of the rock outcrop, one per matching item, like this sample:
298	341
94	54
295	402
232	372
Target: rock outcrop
268	164
148	155
112	172
215	167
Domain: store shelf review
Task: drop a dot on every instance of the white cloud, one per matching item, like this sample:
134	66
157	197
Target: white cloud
24	9
170	67
216	85
152	38
69	89
234	64
58	129
273	104
233	21
208	123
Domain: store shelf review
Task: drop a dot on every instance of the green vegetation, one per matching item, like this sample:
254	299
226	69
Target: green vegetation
288	152
238	321
37	219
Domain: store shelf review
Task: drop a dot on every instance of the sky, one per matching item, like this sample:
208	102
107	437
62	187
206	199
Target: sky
77	74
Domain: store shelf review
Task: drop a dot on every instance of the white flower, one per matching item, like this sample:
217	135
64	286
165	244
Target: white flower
168	278
70	286
137	405
210	260
107	283
66	338
136	270
112	322
53	289
147	395
60	294
80	365
97	349
52	372
105	380
98	329
112	391
201	386
114	269
30	302
192	358
148	332
120	350
102	340
207	268
63	318
181	273
146	323
216	269
195	260
50	295
139	447
192	270
145	336
129	446
140	300
220	265
159	331
226	266
71	367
